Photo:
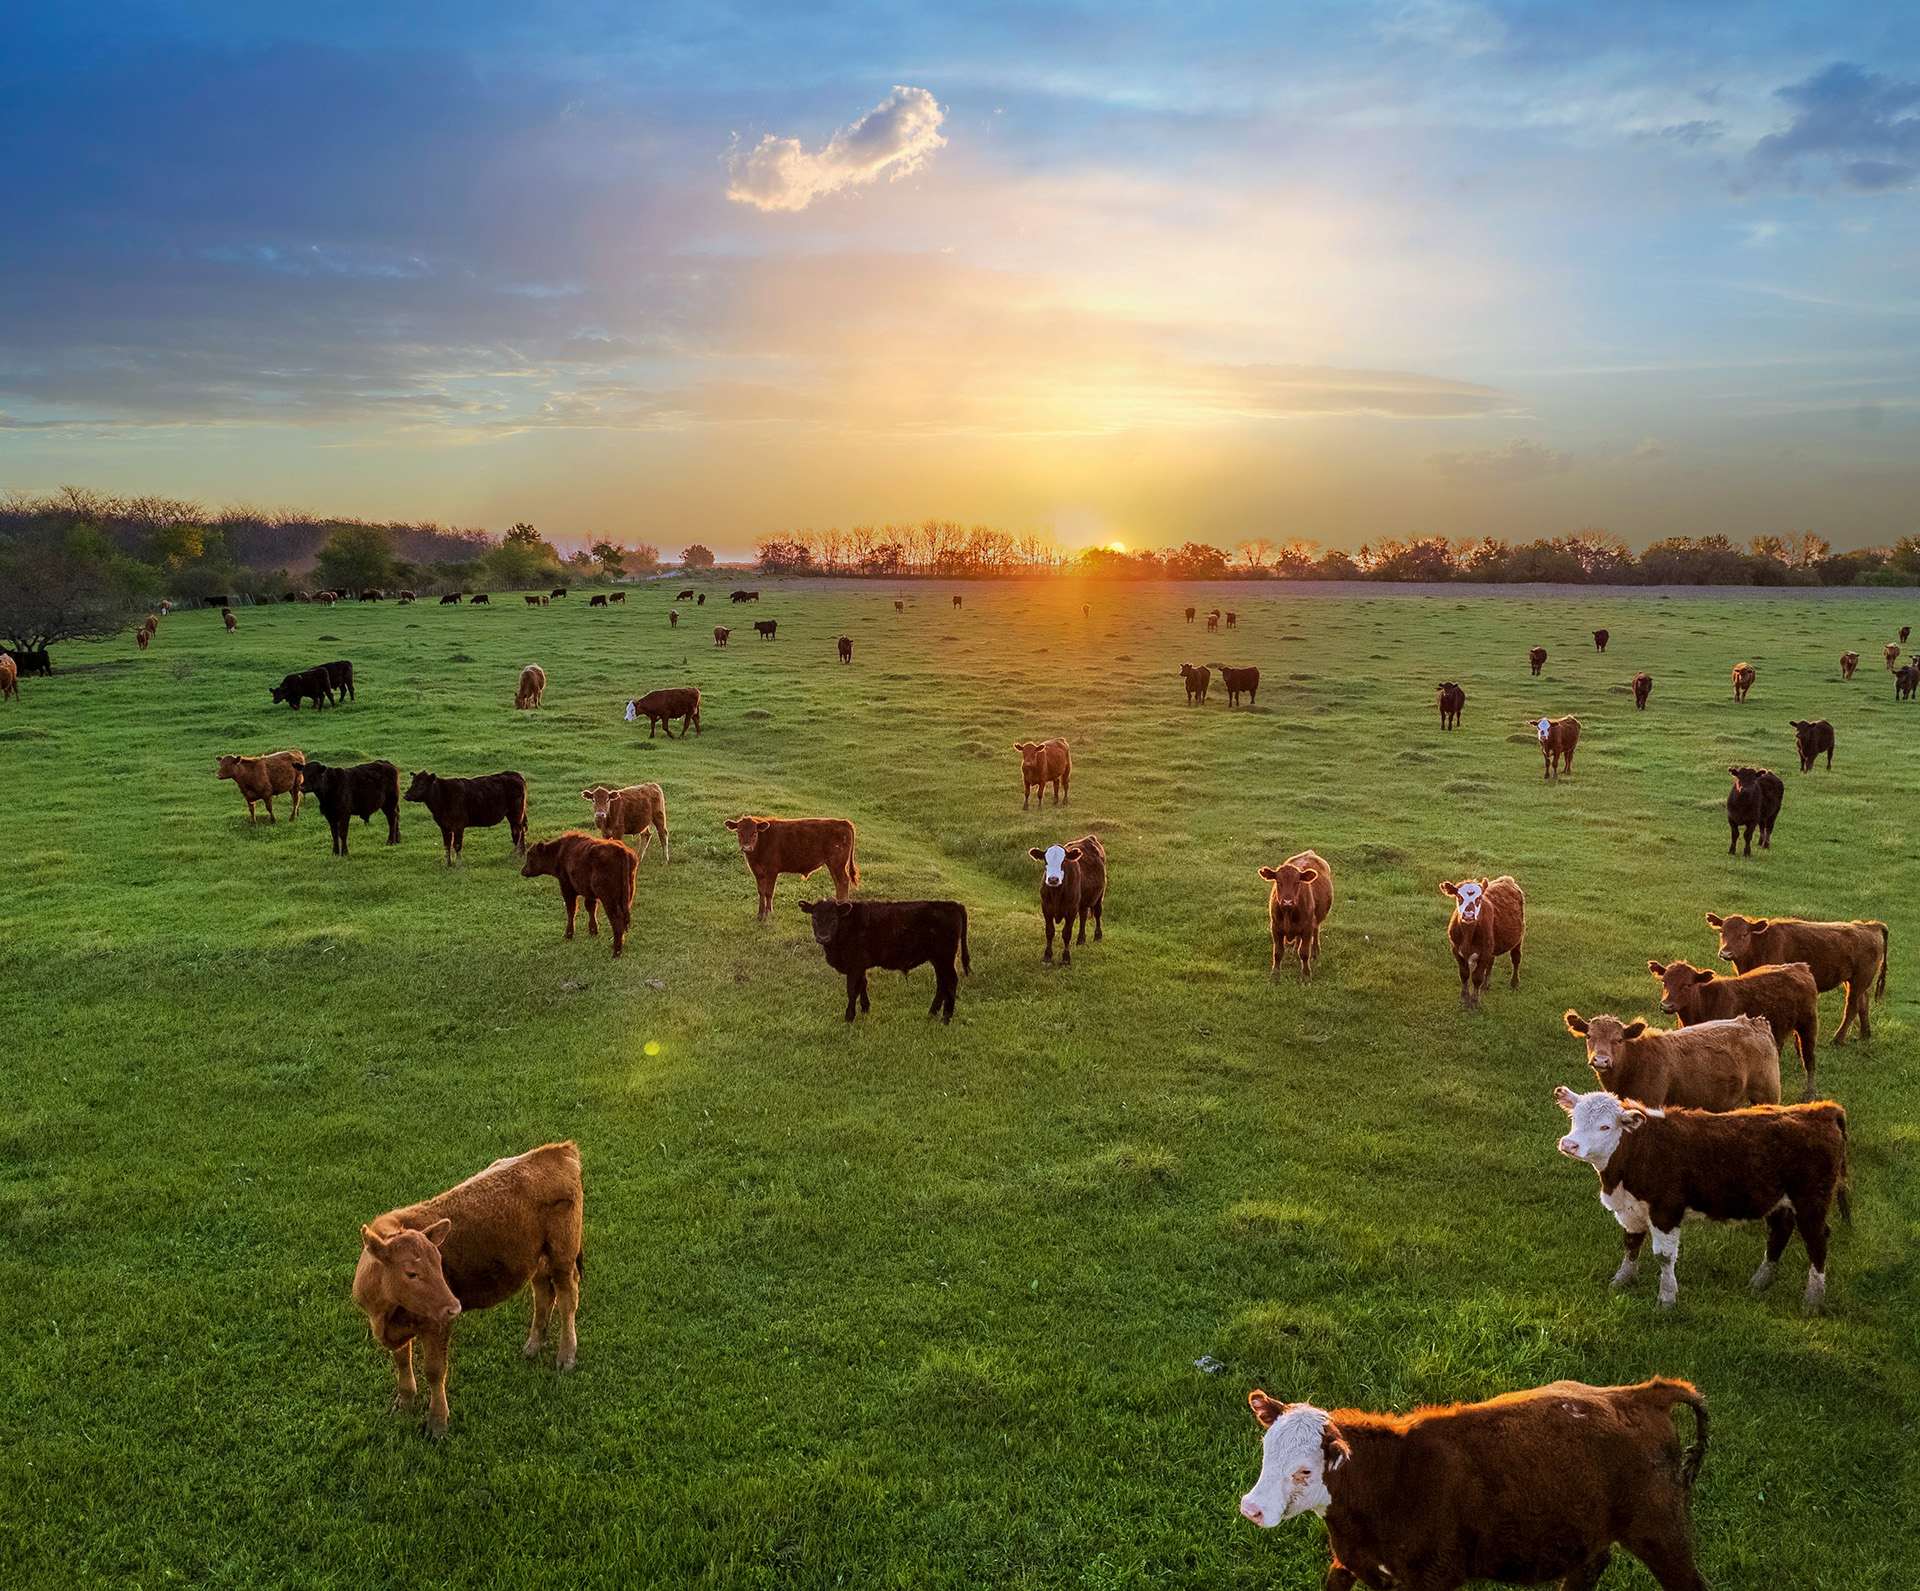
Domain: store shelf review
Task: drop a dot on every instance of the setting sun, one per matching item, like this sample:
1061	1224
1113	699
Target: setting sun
1116	546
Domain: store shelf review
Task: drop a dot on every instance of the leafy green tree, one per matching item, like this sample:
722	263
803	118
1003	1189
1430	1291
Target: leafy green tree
71	586
355	558
696	557
519	563
611	557
522	535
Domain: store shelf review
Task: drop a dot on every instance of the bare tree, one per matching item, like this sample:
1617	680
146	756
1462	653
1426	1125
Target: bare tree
1258	552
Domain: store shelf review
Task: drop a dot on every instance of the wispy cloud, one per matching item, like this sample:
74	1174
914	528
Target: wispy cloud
1518	462
896	137
1858	124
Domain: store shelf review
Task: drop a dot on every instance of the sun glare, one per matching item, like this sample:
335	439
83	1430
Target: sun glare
1116	546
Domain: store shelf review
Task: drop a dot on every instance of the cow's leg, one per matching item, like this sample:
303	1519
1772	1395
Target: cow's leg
249	801
1860	1004
666	848
573	904
646	839
1629	1271
1667	1246
1516	967
446	841
1733	836
1084	910
1668	1555
1779	1234
1098	928
436	1344
1587	1576
1339	1578
542	1310
766	897
946	984
842	881
404	1385
566	1291
853	993
1813	1232
393	824
270	817
1026	796
617	920
593	916
1466	981
1807	1036
1279	952
1047	954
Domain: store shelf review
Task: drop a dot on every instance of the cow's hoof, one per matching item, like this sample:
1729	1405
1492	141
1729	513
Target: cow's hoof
1624	1278
1762	1278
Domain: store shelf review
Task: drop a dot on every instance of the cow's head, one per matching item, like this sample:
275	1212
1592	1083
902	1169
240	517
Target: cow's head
1544	728
280	693
543	856
748	831
1030	758
1469	896
1746	778
1189	672
1737	934
422	786
410	1270
1446	685
828	916
1290	884
1677	983
602	799
1298	1447
1597	1124
1607	1037
1056	857
229	768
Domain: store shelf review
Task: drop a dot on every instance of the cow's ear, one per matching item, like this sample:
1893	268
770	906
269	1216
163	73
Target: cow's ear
1566	1098
1268	873
1450	889
1656	969
1333	1446
1703	977
807	907
1631	1118
1265	1409
1308	875
586	795
1036	853
1073	854
734	824
1634	1029
1760	925
1715	920
373	1242
437	1233
1576	1023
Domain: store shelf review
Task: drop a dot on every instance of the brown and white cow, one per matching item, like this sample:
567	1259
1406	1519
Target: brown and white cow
1851	955
1043	763
1297	905
1073	885
603	871
720	634
1489	921
533	686
1453	701
673	618
773	846
227	618
633	809
660	708
1213	621
1523	1489
1557	737
1537	659
1849	661
1744	675
476	1245
263	778
1785	995
1778	1163
1707	1066
1642	689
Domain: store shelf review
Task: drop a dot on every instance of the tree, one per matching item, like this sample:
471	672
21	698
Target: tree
783	555
1256	552
355	558
522	535
519	563
71	587
696	557
1196	561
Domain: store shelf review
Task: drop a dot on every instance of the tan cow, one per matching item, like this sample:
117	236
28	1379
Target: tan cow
144	636
1558	737
1044	762
1892	654
263	778
1851	955
1302	896
9	678
1703	1066
773	846
533	686
1849	661
633	809
1489	921
1744	675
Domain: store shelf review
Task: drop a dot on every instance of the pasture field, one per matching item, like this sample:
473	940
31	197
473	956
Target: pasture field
907	1305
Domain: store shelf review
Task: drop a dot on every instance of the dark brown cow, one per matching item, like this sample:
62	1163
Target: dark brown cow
450	600
616	596
897	935
477	803
720	634
601	870
1558	737
773	846
480	600
899	606
1905	631
673	618
532	600
558	591
1298	904
1073	884
1786	996
1213	621
1753	803
316	683
1905	678
227	618
1044	762
406	597
1600	639
1744	675
1537	659
1708	1066
1238	682
1489	921
1813	736
1851	955
1190	614
1197	679
956	603
357	792
1642	689
1452	700
845	644
1526	1488
596	602
744	596
766	629
1780	1163
684	595
661	707
1849	661
1233	621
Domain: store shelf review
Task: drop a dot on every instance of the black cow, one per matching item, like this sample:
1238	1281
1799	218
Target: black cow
450	600
898	935
28	662
1237	680
766	628
558	591
1452	700
1753	802
314	682
1813	737
480	803
1600	639
357	792
701	600
340	677
846	648
596	602
1905	678
745	596
223	601
684	595
480	599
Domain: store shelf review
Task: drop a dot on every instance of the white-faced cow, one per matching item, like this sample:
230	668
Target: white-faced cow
1489	921
1073	885
1557	737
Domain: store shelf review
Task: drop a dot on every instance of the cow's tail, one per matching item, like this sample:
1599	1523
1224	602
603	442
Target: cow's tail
853	869
1678	1392
1880	987
1841	1193
966	956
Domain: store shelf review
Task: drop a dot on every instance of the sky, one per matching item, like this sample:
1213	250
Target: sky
1134	273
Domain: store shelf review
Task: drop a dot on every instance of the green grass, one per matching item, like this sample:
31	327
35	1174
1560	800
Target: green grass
900	1304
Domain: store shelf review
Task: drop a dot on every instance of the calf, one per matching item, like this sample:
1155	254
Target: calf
1197	680
1600	639
845	644
357	792
1239	681
617	596
1072	885
1839	955
143	636
313	682
745	596
1452	700
1043	763
1786	996
406	597
1905	678
661	707
603	871
1780	1163
1526	1488
1537	659
1813	736
1905	631
596	602
450	600
227	618
558	591
1753	803
1743	678
897	935
9	678
1233	621
532	600
472	1247
684	595
701	600
956	603
533	686
1708	1066
1190	614
899	606
635	809
1642	689
1298	904
1849	661
263	778
479	803
1892	654
766	629
720	634
773	846
673	618
1489	921
1558	737
1213	621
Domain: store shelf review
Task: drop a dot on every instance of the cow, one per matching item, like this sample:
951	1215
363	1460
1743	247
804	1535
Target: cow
222	600
1526	1488
1197	679
1753	802
263	778
1190	613
1213	622
1849	661
661	707
1905	678
478	803
1642	689
27	660
1452	700
450	600
766	629
1600	639
1073	884
596	602
896	935
1239	682
1302	896
405	598
532	600
558	591
773	846
357	792
1043	763
701	600
616	596
633	809
1892	655
899	606
9	678
1743	678
956	603
480	600
1233	621
673	618
227	618
331	597
532	688
1851	955
1537	659
340	678
720	634
1489	921
1812	736
744	596
1786	995
845	644
1781	1163
476	1245
1905	631
316	683
603	871
373	596
1086	610
144	637
684	595
1558	737
1706	1066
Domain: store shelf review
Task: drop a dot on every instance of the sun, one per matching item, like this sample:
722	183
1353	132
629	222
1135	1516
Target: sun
1116	546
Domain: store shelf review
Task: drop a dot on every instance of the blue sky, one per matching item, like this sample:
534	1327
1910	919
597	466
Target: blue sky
669	273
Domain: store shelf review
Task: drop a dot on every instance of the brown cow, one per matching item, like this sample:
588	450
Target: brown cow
533	686
1786	996
956	603
1558	737
263	778
1743	678
534	601
1489	921
1906	679
1537	658
1213	621
596	602
1044	762
1233	621
227	618
472	1247
601	870
1851	955
1892	655
1452	700
1708	1066
406	597
1600	639
773	846
1072	885
1812	736
1190	614
1526	1488
634	809
846	648
1905	631
144	636
1298	904
899	606
9	678
617	596
1239	682
720	634
673	618
1849	661
661	707
1197	680
1642	689
477	803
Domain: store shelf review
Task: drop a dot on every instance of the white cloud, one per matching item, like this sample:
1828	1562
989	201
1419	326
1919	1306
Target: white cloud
896	137
1519	461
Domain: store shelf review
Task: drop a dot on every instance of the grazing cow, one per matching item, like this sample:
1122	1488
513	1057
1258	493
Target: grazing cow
1753	802
533	686
558	591
744	596
227	618
1238	682
1892	654
601	871
1526	1488
1905	678
479	803
634	809
1743	677
1190	613
1233	621
1780	1163
1452	700
1213	621
899	606
766	629
450	600
1813	736
331	597
956	603
661	707
1537	658
1197	680
1849	661
1787	996
1302	896
720	634
357	792
314	682
773	846
480	600
616	596
1073	884
684	595
1489	921
1600	639
263	778
9	678
472	1247
845	644
897	935
144	637
1558	737
544	600
1044	762
532	600
373	596
1086	610
1851	955
673	618
29	661
406	597
1642	689
596	602
1707	1066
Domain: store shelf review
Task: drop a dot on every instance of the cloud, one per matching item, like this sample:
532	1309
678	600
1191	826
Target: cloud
1861	125
897	136
1518	462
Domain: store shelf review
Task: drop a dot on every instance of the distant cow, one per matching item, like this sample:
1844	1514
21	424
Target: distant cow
600	871
357	792
616	596
222	600
956	603
773	846
1233	621
532	600
316	683
450	600
1813	736
1537	658
406	597
558	591
1642	689
1781	1163
1600	638
1849	661
1753	803
720	634
1190	614
744	596
1905	678
1851	955
1197	679
143	636
470	1248
532	688
1043	763
1073	884
766	629
1892	654
478	803
227	618
373	596
1786	996
896	935
845	645
263	778
30	660
596	602
1239	682
1452	700
479	599
1302	896
1704	1066
701	600
661	707
1905	631
1743	677
1558	737
899	606
1213	621
1489	921
684	595
9	678
634	809
673	618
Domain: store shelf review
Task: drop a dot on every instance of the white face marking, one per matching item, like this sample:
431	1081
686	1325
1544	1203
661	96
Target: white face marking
1470	901
1599	1122
630	712
1292	1469
1056	863
1543	726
